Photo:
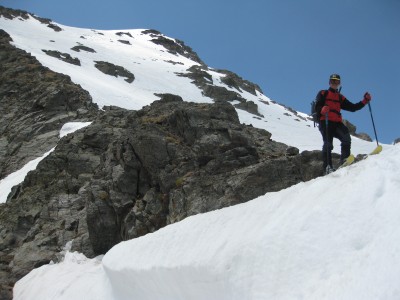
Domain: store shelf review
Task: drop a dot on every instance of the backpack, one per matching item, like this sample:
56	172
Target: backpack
316	113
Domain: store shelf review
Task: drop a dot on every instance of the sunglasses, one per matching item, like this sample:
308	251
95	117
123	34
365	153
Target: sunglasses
335	81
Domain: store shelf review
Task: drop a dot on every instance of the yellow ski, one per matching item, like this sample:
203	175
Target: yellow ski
347	162
377	150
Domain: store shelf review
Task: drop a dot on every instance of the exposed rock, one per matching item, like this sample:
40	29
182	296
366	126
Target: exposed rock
114	70
83	48
35	103
125	42
199	75
174	62
203	80
63	56
294	113
250	107
396	141
352	128
173	46
364	136
152	32
124	33
23	15
291	151
13	13
233	80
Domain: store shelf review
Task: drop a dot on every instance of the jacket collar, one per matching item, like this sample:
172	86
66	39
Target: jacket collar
333	90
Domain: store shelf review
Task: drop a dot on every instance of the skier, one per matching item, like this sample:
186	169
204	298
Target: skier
329	103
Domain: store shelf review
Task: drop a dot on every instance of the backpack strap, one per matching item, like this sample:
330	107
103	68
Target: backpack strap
324	93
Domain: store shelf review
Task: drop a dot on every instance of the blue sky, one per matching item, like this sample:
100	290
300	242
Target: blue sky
288	47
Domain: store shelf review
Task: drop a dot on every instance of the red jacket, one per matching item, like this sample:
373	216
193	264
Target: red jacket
336	102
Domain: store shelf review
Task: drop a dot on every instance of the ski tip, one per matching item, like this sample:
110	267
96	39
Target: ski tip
377	150
349	160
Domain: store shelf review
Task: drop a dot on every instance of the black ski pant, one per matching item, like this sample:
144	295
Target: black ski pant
335	130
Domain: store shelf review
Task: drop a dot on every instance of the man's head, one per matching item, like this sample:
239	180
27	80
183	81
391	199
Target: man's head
334	81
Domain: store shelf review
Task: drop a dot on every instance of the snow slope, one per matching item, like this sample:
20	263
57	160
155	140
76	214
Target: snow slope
335	237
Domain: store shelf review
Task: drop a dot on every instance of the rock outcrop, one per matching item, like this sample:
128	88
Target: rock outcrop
132	172
35	103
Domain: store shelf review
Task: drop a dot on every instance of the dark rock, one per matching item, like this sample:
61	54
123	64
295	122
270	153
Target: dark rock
292	151
174	62
173	46
10	14
363	136
125	42
124	33
352	128
63	56
35	103
54	27
83	48
250	107
396	141
203	80
233	80
114	70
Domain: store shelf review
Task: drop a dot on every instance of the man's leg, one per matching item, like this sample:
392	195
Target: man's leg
328	143
342	133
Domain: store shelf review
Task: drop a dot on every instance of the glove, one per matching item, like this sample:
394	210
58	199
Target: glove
367	98
325	110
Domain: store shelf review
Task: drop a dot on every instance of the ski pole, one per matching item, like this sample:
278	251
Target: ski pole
327	140
373	123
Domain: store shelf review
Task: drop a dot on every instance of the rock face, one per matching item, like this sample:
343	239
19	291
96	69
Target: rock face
133	172
35	103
